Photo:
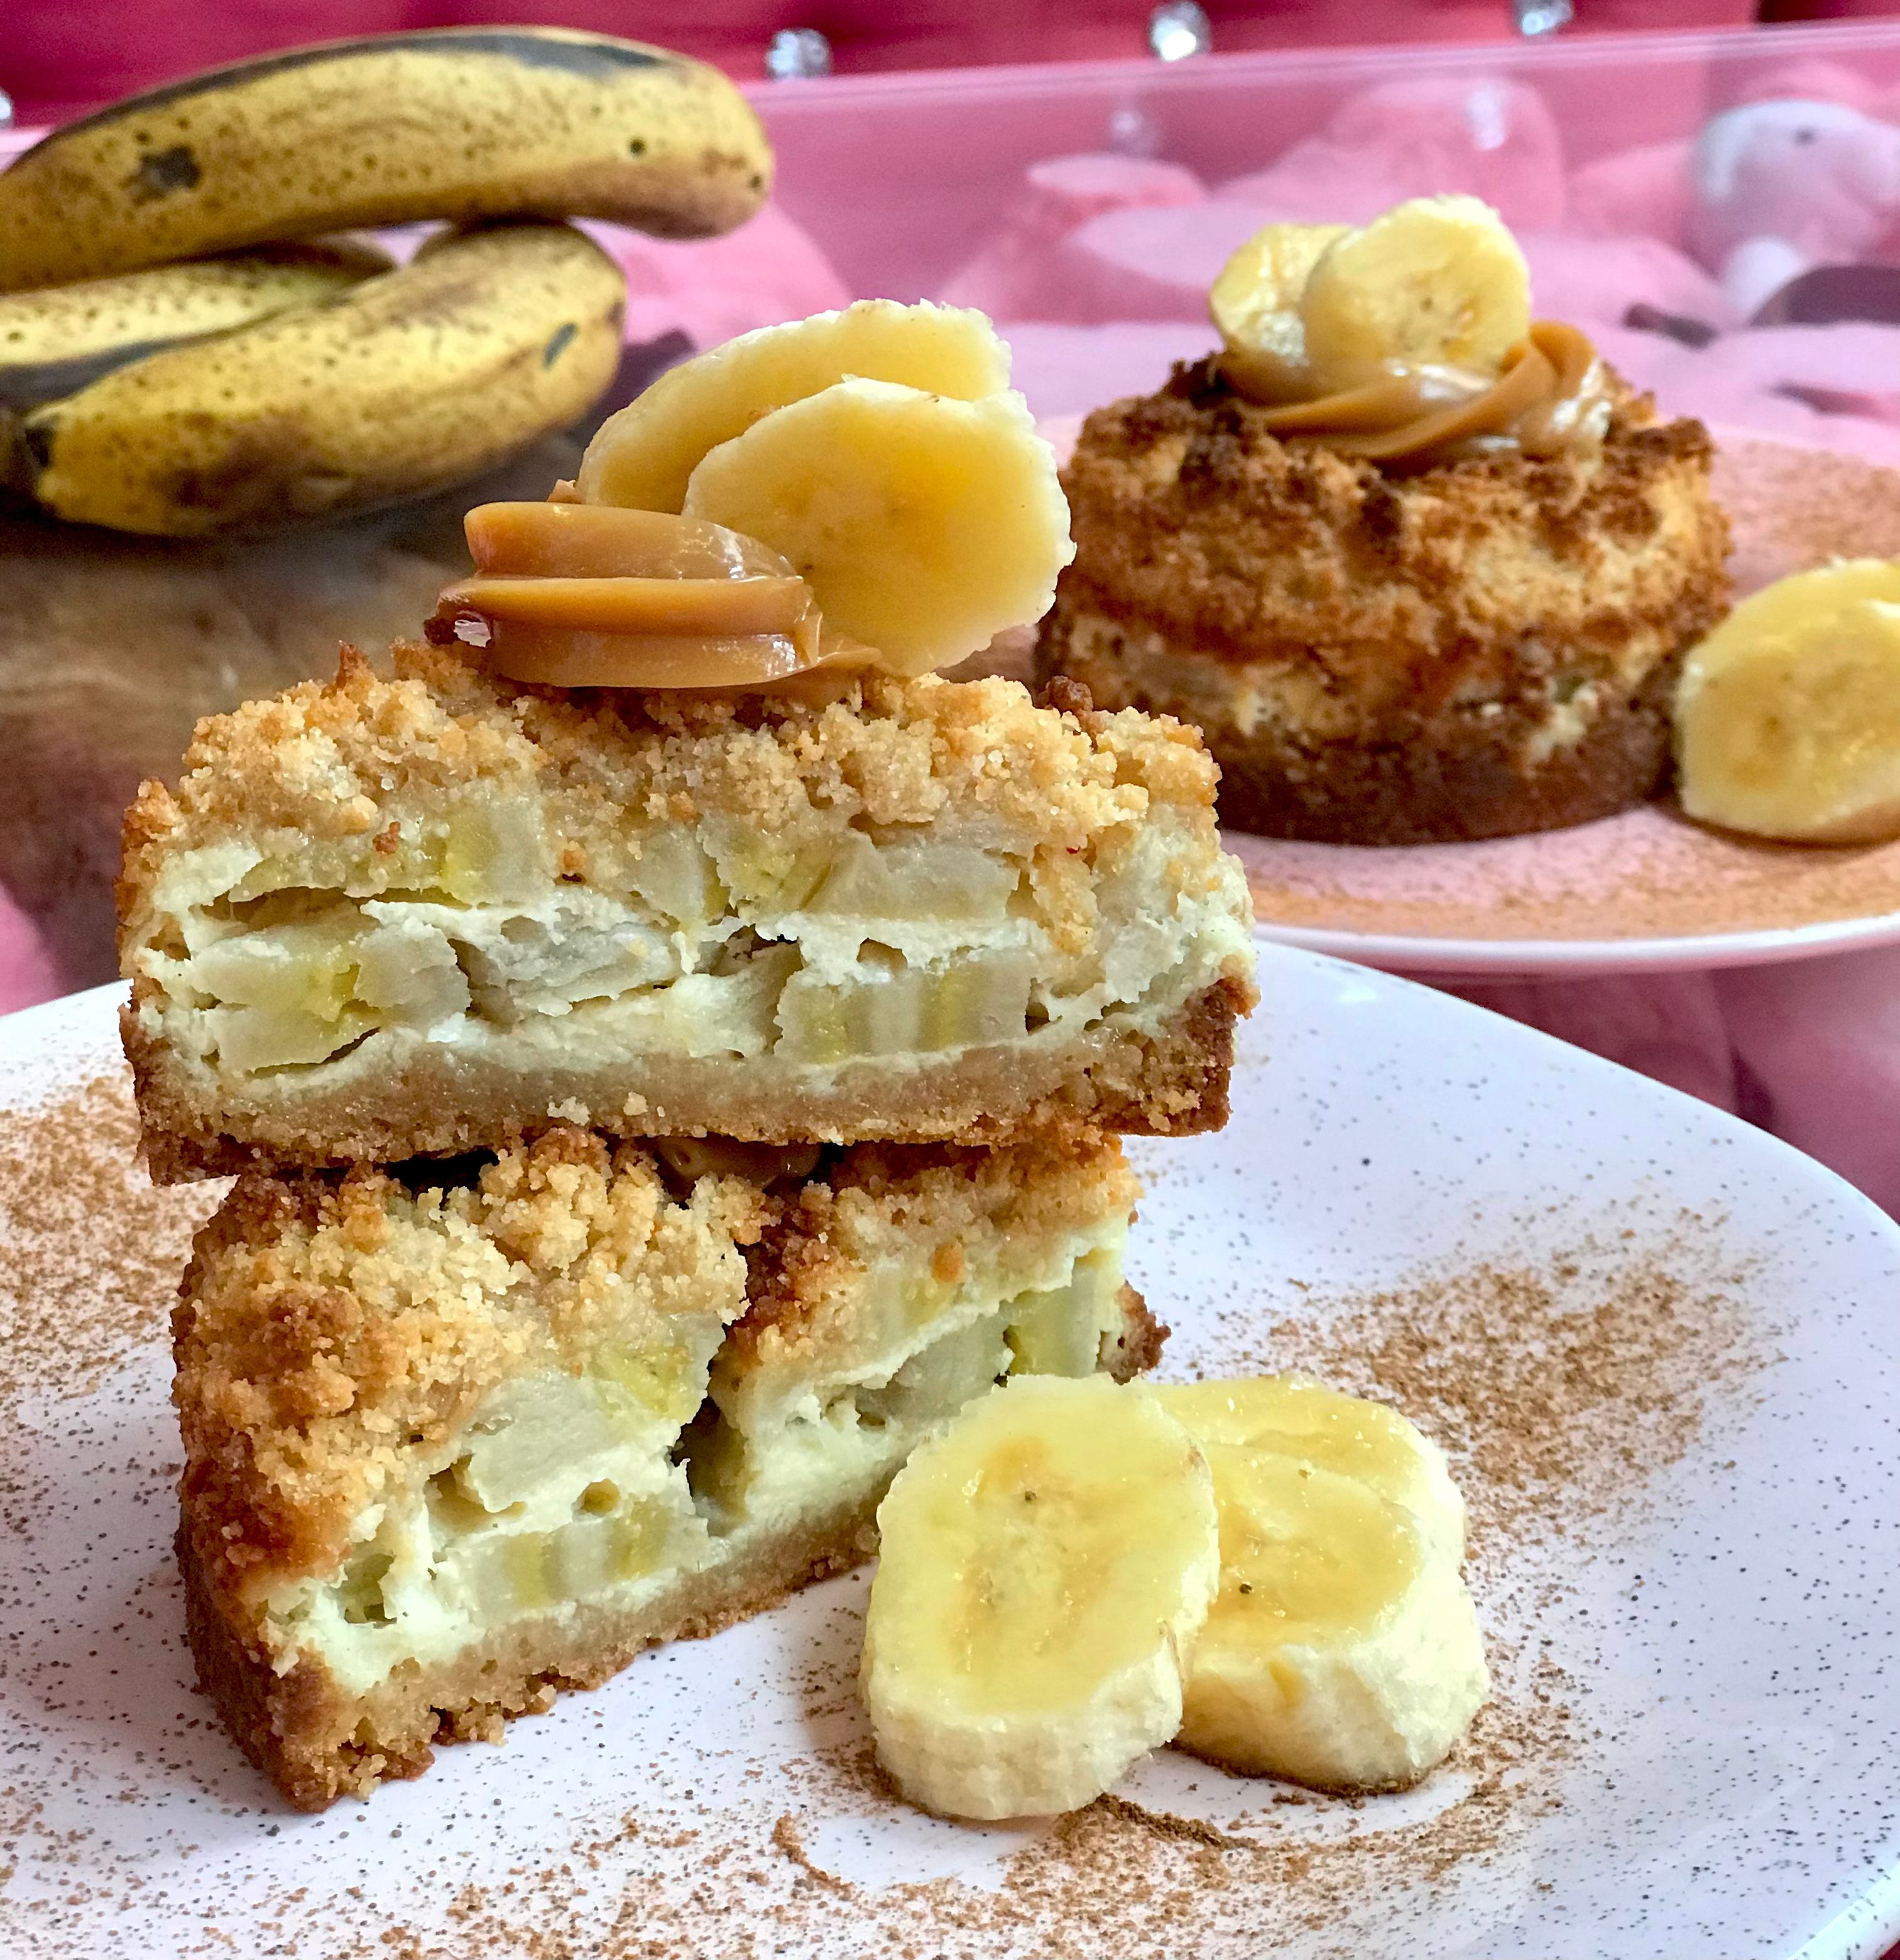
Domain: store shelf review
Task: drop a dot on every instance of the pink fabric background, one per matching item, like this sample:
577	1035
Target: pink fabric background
1810	1050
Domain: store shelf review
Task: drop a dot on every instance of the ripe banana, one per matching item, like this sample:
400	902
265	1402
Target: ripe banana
643	457
1435	281
55	342
1787	716
1343	1651
923	525
1255	303
457	123
1046	1564
411	382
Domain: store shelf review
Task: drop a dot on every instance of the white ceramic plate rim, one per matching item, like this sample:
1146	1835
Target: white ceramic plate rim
1405	952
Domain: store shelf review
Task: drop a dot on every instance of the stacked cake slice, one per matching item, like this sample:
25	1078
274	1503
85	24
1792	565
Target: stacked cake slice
654	1112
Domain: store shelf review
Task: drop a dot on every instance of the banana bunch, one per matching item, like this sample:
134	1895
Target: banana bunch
1073	1573
881	450
168	367
1787	716
1310	308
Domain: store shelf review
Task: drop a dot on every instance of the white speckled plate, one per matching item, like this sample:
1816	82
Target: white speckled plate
1664	1349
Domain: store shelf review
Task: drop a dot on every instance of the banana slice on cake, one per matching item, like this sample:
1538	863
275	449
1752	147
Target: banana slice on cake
1436	281
924	524
643	456
1787	716
1255	303
1343	1651
1046	1564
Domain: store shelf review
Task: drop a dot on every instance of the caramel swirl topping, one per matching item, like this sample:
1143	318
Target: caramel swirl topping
1547	399
587	595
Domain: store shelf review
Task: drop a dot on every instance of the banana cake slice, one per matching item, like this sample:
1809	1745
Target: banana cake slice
460	1436
382	919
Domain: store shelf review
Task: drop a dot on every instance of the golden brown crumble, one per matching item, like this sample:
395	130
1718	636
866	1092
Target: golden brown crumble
328	1327
877	1201
1193	517
344	760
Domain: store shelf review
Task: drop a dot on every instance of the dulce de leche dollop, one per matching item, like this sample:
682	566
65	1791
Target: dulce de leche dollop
1547	398
586	595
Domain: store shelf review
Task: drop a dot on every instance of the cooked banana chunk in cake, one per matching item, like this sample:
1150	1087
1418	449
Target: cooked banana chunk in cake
453	1443
380	919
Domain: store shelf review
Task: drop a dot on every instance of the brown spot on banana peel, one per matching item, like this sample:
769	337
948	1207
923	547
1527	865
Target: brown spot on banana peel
163	171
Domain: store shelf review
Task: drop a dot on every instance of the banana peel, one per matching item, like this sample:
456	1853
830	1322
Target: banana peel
408	382
459	124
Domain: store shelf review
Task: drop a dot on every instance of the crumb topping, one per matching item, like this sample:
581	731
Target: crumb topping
1193	518
329	1326
875	1201
344	760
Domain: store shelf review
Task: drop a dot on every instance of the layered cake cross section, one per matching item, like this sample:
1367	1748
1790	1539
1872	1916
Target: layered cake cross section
458	1436
382	918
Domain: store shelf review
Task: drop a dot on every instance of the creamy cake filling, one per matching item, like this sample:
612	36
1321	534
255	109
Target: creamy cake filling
282	956
607	1487
1295	697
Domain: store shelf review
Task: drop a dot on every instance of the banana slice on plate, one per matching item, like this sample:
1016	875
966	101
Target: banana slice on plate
1787	716
1436	281
1293	1415
643	456
1046	1564
924	523
1343	1651
1255	303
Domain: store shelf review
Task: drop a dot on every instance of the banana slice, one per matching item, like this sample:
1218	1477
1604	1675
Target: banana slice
1343	1651
1436	281
1787	716
1046	1564
924	524
643	455
1255	303
1292	1415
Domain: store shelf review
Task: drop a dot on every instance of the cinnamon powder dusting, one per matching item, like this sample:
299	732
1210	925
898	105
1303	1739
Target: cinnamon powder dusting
1560	1385
90	1253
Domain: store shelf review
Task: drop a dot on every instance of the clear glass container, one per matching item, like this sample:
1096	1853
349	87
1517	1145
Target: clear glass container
1720	212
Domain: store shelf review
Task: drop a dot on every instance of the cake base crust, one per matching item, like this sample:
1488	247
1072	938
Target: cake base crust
434	1103
317	1741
